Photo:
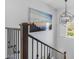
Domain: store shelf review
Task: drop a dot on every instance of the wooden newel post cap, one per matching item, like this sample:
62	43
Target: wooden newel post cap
65	52
65	55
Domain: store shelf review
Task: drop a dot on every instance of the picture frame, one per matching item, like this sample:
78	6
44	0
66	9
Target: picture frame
39	21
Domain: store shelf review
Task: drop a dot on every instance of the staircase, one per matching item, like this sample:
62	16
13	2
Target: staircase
21	45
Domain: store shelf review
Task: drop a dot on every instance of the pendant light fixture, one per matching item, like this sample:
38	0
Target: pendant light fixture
66	16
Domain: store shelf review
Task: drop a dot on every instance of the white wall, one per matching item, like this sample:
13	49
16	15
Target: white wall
64	43
17	12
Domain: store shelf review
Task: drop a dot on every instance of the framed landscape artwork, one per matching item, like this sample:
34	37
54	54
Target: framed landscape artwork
39	21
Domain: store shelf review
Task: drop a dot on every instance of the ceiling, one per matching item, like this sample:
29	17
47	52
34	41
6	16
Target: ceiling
59	4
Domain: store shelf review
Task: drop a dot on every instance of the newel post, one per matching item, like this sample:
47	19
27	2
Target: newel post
64	55
24	40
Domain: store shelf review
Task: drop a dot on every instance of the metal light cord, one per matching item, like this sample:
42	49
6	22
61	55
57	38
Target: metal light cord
65	7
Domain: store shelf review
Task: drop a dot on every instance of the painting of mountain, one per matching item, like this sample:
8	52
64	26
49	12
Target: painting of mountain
39	21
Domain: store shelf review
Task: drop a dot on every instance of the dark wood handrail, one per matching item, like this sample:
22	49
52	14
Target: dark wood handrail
44	43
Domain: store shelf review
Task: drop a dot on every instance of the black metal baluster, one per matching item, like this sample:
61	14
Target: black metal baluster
18	44
41	50
47	52
37	49
44	51
32	48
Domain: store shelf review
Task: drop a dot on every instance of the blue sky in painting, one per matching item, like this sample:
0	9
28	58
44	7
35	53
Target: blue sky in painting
40	16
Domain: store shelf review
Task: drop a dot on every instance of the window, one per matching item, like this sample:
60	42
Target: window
70	29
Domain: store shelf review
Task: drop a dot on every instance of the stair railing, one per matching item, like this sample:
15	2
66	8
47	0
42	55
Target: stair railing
20	47
13	42
24	45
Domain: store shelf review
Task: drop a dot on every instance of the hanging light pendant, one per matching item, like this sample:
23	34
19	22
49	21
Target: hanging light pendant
66	16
